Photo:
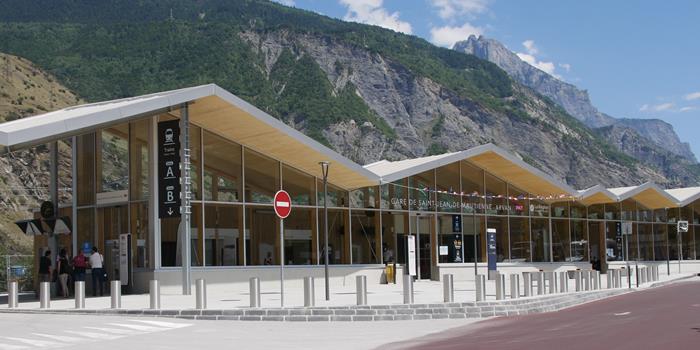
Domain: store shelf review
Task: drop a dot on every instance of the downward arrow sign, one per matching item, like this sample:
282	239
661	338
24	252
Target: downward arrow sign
170	211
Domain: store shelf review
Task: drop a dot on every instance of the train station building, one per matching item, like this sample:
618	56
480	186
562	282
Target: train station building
109	190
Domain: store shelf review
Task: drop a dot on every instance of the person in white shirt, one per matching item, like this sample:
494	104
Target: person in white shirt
98	272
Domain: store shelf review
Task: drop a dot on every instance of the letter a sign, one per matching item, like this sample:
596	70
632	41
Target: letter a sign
169	169
283	204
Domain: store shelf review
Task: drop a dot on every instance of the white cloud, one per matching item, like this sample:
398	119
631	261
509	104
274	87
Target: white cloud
566	66
530	47
529	56
692	96
289	3
448	9
447	36
372	12
657	108
687	109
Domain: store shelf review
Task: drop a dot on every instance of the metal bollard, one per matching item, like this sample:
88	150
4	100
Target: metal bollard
609	277
563	282
527	283
407	289
648	272
500	286
448	288
577	280
586	276
618	278
115	292
514	286
255	291
480	282
540	283
309	293
201	294
80	294
594	280
655	273
552	277
361	289
45	295
13	295
154	291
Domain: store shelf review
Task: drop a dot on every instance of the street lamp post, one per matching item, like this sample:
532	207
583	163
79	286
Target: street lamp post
324	169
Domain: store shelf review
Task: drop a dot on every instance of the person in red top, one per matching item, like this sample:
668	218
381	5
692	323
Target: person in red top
79	266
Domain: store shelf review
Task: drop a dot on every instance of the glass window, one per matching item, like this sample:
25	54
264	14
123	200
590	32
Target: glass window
336	237
644	214
612	211
364	198
86	229
696	212
672	215
139	233
223	241
660	215
364	240
672	241
86	169
473	188
688	243
114	159
422	187
538	208
170	239
299	237
474	238
139	159
629	210
520	243
450	242
447	185
579	241
262	237
65	170
502	242
496	203
560	210
578	210
687	213
541	241
262	179
337	197
195	161
613	241
300	186
197	235
394	196
596	211
518	203
646	242
560	240
632	244
393	225
660	237
222	169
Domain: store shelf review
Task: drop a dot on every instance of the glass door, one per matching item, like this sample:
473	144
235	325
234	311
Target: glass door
424	251
111	222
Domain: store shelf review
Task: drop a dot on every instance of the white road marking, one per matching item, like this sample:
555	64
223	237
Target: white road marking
172	325
622	313
138	327
63	338
113	330
33	342
12	347
94	335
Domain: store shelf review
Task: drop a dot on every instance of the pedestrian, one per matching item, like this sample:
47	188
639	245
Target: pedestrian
79	266
45	267
98	272
63	268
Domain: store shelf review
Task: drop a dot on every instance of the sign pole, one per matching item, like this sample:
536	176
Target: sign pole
281	262
324	169
185	200
282	203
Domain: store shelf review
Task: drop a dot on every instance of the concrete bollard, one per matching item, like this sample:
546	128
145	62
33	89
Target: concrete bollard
618	278
115	292
79	294
540	283
527	284
361	289
648	274
201	294
609	278
500	286
594	280
563	282
13	295
577	281
154	293
407	289
309	293
480	282
45	295
552	277
655	273
448	288
586	277
254	291
514	286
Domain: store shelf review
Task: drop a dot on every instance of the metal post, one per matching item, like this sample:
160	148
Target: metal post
577	280
12	295
407	289
514	286
79	294
680	248
527	283
552	276
586	276
618	278
8	271
282	262
627	262
115	291
185	196
637	275
480	282
254	292
500	286
655	272
45	295
154	291
201	297
540	283
309	292
609	276
594	280
448	288
324	168
563	282
361	289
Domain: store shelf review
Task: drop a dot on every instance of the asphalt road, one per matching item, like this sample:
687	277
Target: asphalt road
660	318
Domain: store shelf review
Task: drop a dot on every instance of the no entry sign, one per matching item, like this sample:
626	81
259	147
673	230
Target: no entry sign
282	203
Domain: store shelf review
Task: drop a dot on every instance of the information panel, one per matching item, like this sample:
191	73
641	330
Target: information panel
491	251
411	245
169	169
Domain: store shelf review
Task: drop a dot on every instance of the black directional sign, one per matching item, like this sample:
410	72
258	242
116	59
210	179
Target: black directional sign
169	169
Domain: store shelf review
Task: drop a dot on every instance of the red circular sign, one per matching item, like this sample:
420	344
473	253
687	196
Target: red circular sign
282	203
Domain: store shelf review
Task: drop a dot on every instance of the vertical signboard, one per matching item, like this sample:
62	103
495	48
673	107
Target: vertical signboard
124	257
411	248
168	169
491	251
456	223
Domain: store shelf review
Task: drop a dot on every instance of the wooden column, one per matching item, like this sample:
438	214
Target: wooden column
240	245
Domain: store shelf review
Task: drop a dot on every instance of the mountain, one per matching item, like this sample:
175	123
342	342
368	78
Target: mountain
575	101
368	92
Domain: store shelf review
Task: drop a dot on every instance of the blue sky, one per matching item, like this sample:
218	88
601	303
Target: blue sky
637	59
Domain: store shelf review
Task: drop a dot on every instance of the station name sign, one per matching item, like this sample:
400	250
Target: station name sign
169	169
443	204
